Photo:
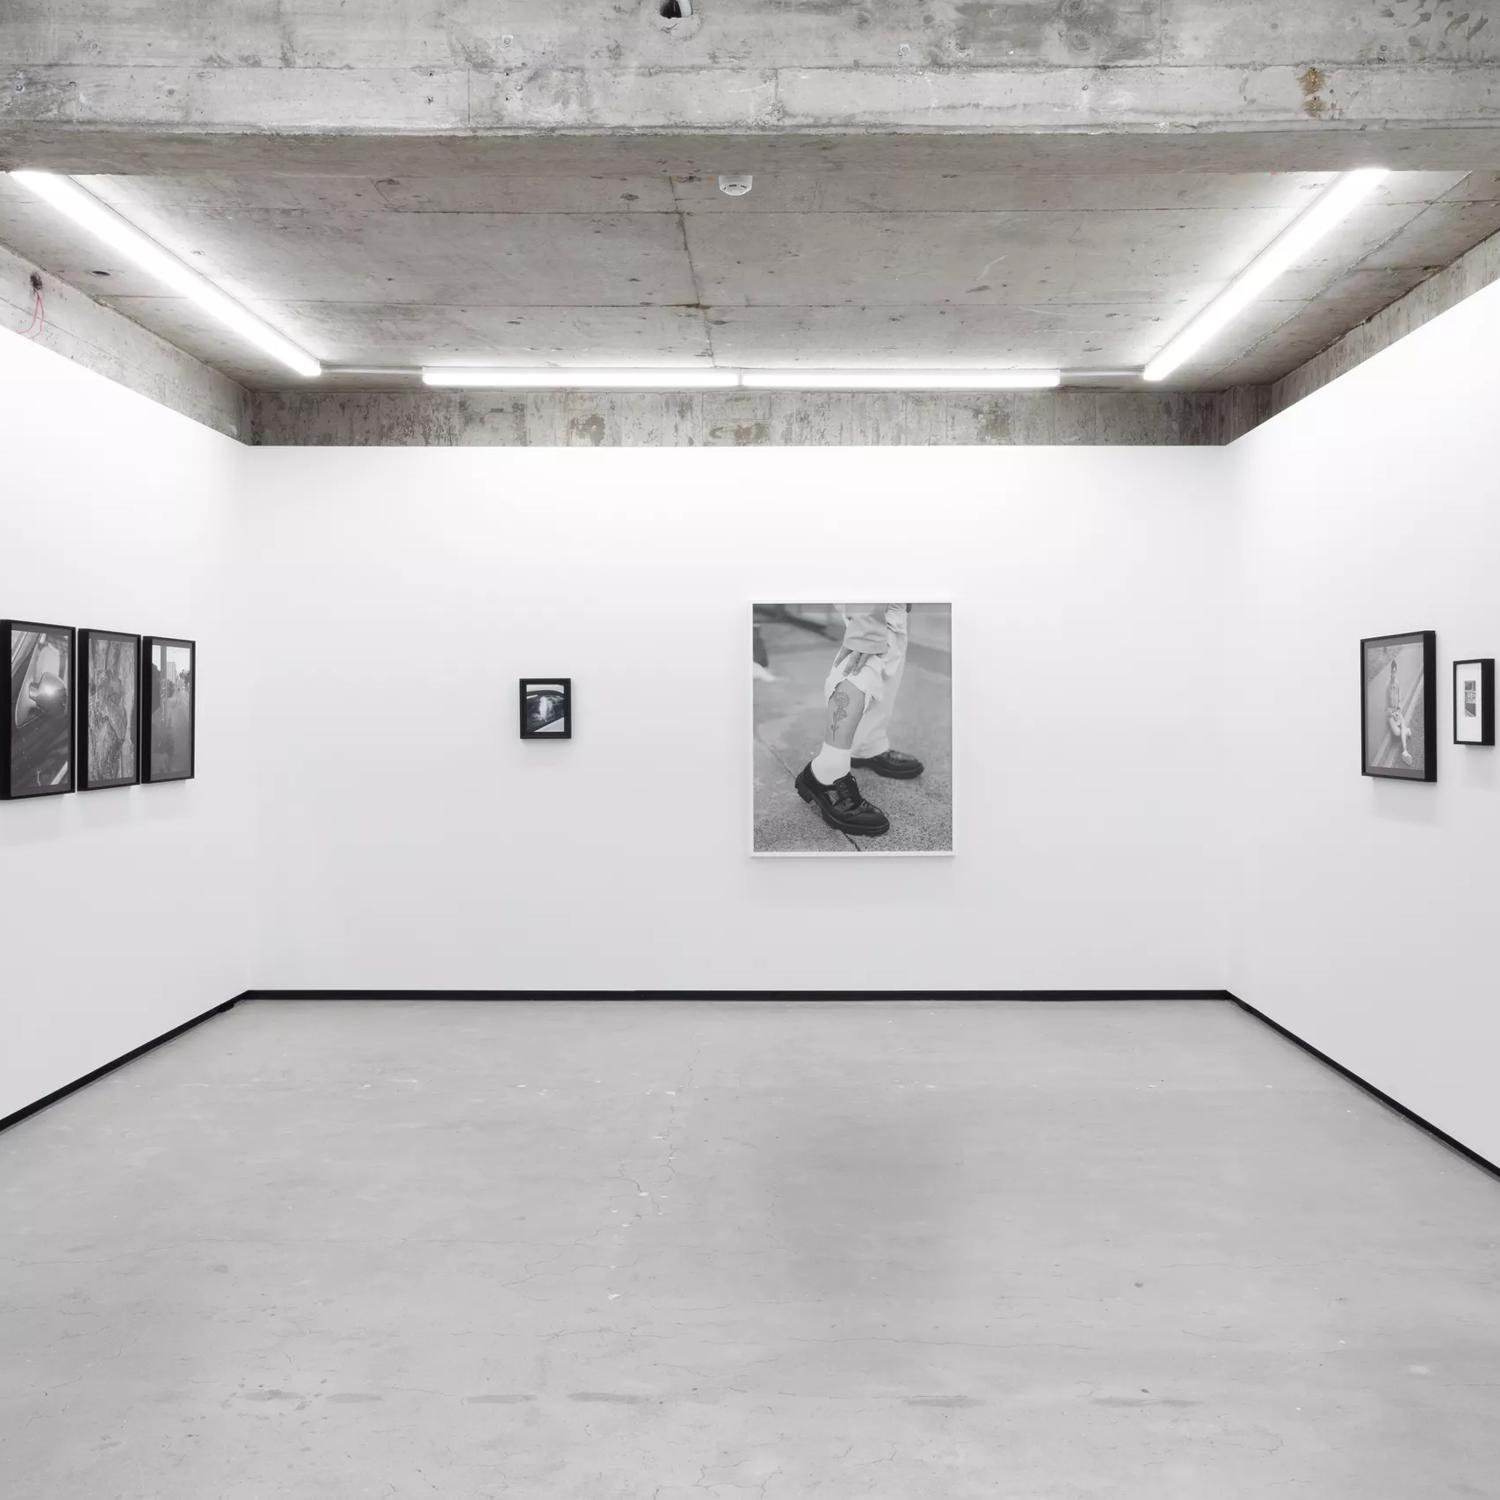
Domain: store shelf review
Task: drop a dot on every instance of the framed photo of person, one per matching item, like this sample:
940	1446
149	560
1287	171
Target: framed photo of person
169	708
851	723
37	748
109	728
1398	712
1474	701
546	708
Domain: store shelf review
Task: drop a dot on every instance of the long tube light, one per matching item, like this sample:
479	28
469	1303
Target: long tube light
687	378
698	378
1280	255
119	234
900	380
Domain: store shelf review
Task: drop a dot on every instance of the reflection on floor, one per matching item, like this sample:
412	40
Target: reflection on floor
719	1249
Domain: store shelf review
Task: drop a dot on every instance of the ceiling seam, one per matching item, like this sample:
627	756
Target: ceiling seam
698	303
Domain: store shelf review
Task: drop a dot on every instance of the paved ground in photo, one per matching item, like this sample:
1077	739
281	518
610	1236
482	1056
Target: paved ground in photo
741	1250
790	714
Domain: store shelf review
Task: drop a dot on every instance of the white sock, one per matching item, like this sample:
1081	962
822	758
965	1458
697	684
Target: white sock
829	764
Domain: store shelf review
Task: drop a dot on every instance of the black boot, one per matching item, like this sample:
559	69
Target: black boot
894	763
841	805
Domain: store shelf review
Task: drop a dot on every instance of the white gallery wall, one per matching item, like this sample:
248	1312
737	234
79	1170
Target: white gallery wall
124	911
1156	719
1365	910
412	840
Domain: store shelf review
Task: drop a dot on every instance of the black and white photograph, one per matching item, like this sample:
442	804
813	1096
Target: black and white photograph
169	713
1474	701
39	733
853	729
546	708
109	665
1398	723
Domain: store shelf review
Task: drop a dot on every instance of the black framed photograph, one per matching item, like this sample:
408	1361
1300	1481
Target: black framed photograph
109	728
38	740
1474	701
169	708
546	708
1398	720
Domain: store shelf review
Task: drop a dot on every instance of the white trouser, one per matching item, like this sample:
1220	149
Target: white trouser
871	658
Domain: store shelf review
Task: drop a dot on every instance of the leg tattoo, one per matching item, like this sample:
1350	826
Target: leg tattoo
838	708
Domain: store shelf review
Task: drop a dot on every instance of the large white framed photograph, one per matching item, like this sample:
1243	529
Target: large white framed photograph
852	729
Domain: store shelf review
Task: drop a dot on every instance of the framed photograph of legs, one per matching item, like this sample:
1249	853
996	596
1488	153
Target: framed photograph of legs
852	723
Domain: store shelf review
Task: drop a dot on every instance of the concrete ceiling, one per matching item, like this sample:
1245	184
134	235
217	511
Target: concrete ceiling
1078	268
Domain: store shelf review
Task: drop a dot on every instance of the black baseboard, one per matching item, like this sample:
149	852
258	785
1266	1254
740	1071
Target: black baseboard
1409	1115
500	995
1395	1105
72	1088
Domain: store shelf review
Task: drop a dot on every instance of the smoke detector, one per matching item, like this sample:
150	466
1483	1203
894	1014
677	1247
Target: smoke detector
736	185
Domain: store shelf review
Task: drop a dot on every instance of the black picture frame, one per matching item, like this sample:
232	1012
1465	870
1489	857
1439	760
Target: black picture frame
1381	753
156	743
87	639
1480	670
28	751
552	724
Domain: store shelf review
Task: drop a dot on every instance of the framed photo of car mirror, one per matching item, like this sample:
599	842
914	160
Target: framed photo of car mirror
546	708
169	708
37	747
1474	701
109	726
1398	707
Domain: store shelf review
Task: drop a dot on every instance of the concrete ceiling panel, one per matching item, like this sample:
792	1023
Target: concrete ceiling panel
877	259
989	192
1041	335
528	259
1095	268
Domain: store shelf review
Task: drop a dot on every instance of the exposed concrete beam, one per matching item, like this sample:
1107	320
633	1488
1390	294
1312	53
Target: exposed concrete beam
745	419
1468	274
102	340
1197	68
114	149
1301	97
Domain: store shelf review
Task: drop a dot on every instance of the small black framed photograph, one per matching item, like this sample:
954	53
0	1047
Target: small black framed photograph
109	728
1398	720
37	746
169	708
546	708
1474	701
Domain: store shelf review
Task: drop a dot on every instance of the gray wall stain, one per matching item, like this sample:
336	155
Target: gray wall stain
587	430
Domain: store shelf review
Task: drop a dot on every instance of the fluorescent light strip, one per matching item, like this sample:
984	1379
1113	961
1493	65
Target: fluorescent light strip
900	380
688	378
119	234
697	378
1280	255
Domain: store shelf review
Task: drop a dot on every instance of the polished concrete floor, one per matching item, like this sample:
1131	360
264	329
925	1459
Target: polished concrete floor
742	1251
